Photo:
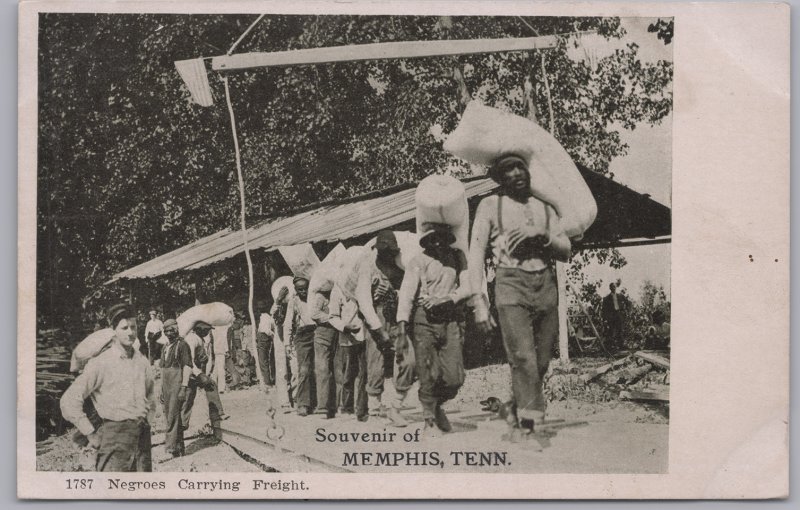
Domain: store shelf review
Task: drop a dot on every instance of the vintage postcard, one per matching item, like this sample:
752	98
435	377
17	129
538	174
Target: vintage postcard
406	250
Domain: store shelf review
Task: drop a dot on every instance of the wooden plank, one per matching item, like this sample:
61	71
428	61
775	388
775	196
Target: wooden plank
660	396
379	51
603	369
653	358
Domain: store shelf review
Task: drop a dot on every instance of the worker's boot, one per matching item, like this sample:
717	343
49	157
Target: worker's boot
430	431
374	405
441	420
395	418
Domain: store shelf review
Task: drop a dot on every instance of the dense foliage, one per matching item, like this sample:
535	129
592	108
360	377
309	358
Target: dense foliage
130	168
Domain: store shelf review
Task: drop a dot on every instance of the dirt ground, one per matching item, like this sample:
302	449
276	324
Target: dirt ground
570	400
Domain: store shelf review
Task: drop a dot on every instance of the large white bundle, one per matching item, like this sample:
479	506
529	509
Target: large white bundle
350	262
90	347
278	284
325	273
216	314
486	133
300	258
442	199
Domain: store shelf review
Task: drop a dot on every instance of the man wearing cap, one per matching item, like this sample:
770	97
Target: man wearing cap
176	370
379	278
525	237
298	329
201	344
434	292
120	384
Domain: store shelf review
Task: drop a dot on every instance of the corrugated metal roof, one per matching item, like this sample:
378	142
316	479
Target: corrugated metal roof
326	223
622	213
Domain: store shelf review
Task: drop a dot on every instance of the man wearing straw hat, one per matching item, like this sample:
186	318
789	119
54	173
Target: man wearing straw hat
433	299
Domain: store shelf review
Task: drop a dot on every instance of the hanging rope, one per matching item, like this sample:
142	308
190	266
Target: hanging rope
549	97
250	290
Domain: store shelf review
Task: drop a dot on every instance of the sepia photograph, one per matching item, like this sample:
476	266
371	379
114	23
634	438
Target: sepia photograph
402	251
351	243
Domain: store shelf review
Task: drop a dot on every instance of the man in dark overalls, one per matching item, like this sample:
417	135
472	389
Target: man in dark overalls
176	369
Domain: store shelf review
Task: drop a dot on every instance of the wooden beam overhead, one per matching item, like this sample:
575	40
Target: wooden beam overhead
379	51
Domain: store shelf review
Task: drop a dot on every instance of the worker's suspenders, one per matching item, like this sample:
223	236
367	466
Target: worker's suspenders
500	217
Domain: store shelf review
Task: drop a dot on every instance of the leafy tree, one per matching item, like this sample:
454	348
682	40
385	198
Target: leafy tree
129	168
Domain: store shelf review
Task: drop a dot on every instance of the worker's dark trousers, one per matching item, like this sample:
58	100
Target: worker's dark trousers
266	360
214	408
351	377
124	446
614	332
171	380
304	348
377	361
527	303
326	340
438	348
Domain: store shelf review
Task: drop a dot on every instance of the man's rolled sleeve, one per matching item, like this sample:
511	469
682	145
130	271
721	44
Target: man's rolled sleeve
364	297
407	294
72	400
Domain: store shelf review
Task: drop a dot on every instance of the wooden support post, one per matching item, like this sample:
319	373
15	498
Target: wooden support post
563	332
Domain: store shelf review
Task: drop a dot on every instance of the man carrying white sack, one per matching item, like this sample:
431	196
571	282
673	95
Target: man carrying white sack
201	343
542	201
433	294
378	279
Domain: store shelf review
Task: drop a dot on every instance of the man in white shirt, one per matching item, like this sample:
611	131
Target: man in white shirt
120	383
153	331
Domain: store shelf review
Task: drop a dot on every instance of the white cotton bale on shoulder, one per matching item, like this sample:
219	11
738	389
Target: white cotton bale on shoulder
216	314
301	259
484	134
280	283
442	199
324	276
90	347
349	264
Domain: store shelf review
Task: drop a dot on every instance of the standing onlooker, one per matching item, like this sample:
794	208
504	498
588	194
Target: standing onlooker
120	384
233	356
285	357
152	332
176	370
614	308
265	349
